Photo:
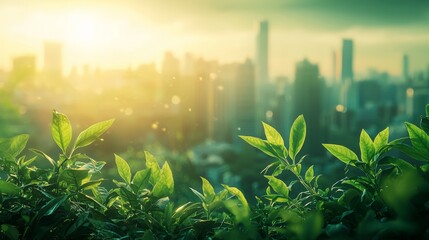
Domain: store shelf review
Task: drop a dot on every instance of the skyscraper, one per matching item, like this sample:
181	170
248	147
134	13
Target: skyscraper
262	73
307	100
405	67
347	60
53	60
262	53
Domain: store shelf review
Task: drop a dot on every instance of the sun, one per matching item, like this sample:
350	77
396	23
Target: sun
84	29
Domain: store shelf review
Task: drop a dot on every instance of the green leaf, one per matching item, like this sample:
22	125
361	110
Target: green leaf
236	192
74	176
419	139
298	132
141	178
259	144
208	189
91	184
61	130
50	207
153	165
309	174
79	222
381	140
12	147
10	231
46	156
8	188
412	152
123	169
278	186
164	186
367	149
92	133
272	135
342	153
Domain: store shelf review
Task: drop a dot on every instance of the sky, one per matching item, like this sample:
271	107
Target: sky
122	34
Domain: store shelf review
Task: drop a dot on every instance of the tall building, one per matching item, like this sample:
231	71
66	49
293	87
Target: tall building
347	61
262	53
53	60
307	100
262	83
23	69
245	121
405	67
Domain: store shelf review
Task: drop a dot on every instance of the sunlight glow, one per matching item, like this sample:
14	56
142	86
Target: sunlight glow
85	28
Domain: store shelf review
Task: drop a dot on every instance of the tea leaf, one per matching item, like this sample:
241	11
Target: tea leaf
259	144
164	186
123	169
309	174
8	188
92	133
208	189
342	153
298	132
12	147
419	139
272	135
236	192
381	140
141	178
278	186
153	165
366	145
61	130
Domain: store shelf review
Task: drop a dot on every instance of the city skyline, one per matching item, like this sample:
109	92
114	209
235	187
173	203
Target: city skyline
110	34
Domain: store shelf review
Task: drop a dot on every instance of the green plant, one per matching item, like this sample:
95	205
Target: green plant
388	197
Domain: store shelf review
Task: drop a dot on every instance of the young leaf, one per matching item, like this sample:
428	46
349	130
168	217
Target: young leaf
123	169
152	164
61	130
419	139
278	186
272	135
13	146
91	184
141	178
50	207
92	133
164	187
236	192
309	174
343	154
8	188
208	189
367	149
46	156
298	132
381	140
259	144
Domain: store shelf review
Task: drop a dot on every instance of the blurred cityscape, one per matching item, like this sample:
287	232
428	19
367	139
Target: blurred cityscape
190	104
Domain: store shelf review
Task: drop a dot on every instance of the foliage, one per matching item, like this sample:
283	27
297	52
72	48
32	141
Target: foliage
389	199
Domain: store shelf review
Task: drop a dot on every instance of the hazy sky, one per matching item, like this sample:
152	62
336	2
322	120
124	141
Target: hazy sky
124	33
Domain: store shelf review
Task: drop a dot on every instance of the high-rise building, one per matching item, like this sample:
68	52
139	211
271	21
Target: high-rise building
405	67
23	69
262	53
347	61
262	83
53	60
244	101
307	100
